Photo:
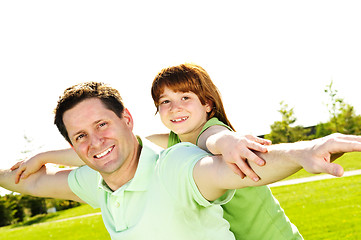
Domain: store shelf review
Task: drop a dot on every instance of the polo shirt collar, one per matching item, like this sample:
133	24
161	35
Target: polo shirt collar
147	160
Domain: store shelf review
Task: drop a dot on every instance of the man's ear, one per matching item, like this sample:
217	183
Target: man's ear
128	118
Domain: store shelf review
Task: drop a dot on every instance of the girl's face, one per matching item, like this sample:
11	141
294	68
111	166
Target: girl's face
183	113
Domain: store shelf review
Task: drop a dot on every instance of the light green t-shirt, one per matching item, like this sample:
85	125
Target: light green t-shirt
253	212
162	201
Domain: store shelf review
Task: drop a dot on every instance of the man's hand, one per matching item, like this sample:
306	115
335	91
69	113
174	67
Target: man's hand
320	153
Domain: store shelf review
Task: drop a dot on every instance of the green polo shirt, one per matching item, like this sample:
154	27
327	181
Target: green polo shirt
162	201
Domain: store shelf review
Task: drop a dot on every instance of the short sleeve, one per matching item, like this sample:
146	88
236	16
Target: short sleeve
211	122
83	181
173	139
175	170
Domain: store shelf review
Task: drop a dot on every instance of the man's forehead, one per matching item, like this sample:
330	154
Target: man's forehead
86	112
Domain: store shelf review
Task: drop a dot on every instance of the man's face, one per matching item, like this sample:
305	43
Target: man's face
100	138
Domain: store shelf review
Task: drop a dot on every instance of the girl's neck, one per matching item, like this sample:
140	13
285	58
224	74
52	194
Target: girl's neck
190	137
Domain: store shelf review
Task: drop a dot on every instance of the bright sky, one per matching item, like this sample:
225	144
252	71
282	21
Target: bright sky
257	52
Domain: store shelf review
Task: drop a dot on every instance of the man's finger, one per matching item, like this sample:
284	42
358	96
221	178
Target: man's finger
333	169
344	144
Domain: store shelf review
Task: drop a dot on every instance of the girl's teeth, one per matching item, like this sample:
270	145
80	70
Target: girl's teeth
180	119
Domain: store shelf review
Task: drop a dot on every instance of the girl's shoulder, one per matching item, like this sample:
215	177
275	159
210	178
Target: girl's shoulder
159	139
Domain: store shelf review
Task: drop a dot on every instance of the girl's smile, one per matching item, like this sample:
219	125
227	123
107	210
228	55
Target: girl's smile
183	113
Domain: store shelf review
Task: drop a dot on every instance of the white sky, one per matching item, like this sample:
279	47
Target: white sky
257	52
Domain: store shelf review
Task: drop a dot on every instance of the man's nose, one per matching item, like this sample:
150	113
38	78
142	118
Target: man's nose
96	140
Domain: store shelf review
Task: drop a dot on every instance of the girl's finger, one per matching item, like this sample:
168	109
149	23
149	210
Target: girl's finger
236	170
246	169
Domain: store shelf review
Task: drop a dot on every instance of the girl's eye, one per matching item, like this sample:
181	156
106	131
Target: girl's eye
185	98
164	102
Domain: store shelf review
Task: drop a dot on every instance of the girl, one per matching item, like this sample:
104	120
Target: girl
190	105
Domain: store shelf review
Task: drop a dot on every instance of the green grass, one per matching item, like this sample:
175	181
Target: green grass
78	211
46	228
328	209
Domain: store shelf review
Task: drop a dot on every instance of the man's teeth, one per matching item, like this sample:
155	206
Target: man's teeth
104	153
180	119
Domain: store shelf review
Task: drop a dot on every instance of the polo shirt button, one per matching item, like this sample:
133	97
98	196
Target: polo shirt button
117	204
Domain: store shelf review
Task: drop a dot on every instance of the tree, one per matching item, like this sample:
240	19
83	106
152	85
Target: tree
36	205
282	131
5	213
343	118
16	206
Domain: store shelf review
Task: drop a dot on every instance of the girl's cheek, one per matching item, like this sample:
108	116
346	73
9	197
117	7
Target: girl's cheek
162	111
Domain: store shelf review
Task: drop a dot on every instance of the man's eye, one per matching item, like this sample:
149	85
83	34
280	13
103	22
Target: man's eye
102	124
80	137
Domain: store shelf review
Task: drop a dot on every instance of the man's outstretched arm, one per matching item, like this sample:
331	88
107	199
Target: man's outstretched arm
213	177
49	182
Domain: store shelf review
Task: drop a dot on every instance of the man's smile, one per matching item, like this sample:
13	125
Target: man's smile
106	152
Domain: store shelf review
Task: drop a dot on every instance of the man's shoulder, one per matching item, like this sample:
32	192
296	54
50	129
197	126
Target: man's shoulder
83	172
183	151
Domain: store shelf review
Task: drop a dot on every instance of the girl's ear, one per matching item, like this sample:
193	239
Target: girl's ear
209	106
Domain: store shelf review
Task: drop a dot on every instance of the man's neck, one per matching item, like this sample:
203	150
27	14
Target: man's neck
123	175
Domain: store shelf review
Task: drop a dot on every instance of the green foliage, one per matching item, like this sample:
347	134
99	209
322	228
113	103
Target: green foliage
5	213
282	131
60	204
35	204
343	118
16	206
11	209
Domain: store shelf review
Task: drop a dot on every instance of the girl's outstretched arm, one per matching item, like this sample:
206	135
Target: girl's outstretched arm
65	157
159	139
236	150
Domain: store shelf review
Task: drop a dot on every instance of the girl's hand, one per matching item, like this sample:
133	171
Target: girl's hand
27	167
237	151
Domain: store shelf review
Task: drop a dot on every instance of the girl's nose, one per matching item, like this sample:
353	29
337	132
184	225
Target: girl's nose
175	106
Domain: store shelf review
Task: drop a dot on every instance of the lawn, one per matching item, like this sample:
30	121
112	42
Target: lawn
328	209
48	227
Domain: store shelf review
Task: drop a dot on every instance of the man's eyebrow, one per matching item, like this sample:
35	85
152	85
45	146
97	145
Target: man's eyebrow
82	131
77	133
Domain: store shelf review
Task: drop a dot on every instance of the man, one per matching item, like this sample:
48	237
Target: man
174	195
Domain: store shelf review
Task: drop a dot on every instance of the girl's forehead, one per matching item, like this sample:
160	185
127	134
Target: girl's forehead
174	90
